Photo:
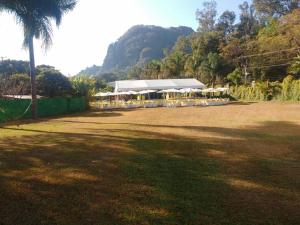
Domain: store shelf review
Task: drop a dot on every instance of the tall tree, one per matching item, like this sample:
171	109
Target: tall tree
207	16
248	23
212	68
226	22
275	8
152	70
35	17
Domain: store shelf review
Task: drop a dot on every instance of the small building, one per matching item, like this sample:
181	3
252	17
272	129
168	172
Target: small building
163	84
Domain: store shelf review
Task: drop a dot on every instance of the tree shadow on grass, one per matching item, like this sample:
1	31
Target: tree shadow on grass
148	177
239	103
90	114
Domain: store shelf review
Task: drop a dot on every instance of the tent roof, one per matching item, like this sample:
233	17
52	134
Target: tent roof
140	85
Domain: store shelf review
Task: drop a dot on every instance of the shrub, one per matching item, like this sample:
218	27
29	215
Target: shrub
288	90
84	86
52	83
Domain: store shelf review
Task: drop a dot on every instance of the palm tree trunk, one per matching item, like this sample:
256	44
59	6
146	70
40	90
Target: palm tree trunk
32	79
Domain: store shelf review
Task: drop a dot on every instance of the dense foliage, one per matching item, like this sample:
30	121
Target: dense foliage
262	46
52	83
288	90
15	80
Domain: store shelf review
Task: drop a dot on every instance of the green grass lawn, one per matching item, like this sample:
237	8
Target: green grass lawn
233	165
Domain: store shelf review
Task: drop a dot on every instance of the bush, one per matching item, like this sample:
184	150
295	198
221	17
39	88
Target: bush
288	90
52	83
84	86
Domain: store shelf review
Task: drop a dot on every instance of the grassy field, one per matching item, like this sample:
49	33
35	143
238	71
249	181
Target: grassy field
234	165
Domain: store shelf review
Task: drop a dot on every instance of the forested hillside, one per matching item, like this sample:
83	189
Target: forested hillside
260	43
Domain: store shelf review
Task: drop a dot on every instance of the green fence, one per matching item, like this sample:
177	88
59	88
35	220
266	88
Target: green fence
14	109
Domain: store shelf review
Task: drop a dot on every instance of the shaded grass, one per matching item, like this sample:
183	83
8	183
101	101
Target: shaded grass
102	170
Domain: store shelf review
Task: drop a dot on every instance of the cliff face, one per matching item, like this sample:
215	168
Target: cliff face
141	44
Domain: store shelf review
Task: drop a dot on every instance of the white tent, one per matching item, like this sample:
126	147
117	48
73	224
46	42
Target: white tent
142	85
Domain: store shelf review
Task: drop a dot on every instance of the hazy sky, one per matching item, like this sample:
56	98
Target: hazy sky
83	38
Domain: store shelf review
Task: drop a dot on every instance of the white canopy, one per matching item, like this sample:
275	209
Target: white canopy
141	85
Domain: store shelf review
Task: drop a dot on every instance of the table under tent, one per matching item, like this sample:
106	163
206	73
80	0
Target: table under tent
159	93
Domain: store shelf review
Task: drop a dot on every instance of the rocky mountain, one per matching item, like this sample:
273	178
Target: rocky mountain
141	44
91	71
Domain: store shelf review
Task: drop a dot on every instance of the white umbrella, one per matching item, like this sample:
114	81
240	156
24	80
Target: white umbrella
222	89
170	91
132	93
102	94
126	93
120	93
196	90
146	92
210	90
186	90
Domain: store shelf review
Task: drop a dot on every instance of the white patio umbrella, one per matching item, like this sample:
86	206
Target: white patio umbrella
125	93
186	90
209	90
195	90
132	93
120	93
170	91
103	94
146	92
222	89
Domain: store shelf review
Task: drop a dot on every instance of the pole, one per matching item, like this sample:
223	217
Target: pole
245	74
2	58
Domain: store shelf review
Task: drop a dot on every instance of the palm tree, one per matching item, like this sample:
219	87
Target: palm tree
35	17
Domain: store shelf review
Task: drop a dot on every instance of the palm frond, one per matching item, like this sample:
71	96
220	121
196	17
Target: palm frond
35	16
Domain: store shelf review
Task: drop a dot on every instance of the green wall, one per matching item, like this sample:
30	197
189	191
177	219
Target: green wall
14	109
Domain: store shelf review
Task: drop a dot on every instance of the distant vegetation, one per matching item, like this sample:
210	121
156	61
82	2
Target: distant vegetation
15	80
262	46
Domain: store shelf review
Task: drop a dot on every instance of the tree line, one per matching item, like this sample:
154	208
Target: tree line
15	80
261	43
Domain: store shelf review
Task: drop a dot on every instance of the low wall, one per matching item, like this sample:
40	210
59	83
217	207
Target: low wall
14	109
